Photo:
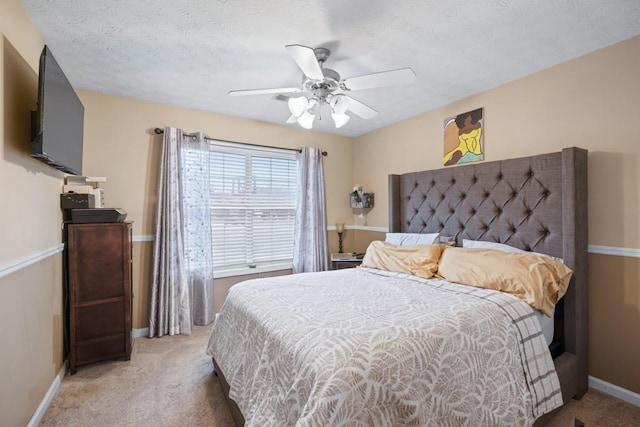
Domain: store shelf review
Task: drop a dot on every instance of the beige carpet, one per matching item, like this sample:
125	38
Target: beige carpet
169	382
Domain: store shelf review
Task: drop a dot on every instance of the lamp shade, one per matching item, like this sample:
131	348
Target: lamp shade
339	104
297	106
340	119
306	120
340	227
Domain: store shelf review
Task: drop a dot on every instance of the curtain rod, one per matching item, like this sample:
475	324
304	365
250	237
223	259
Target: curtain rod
159	131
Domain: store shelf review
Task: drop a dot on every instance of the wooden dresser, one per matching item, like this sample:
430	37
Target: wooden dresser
99	292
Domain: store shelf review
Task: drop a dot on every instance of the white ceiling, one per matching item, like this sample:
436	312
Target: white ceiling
191	53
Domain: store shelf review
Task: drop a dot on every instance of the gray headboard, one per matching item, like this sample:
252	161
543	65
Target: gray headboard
536	203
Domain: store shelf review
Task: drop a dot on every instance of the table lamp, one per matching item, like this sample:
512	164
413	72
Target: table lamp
340	230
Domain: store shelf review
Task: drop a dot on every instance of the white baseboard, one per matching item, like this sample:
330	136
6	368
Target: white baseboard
137	333
55	385
615	391
48	397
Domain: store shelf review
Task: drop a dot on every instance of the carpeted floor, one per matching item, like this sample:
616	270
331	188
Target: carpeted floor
170	382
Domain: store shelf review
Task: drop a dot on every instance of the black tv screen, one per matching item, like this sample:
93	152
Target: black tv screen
59	120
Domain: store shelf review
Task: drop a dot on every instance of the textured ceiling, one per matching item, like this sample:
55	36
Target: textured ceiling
191	53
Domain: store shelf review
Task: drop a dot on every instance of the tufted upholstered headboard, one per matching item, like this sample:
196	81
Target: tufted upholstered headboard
536	203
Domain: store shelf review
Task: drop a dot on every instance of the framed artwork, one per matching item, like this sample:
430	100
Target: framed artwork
464	138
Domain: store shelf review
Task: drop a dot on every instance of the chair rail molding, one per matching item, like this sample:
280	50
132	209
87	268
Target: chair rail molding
19	264
613	250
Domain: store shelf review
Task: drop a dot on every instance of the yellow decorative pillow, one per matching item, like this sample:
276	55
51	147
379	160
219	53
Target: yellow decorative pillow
419	260
538	280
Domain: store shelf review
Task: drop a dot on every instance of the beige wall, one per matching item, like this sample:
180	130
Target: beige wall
29	186
614	320
142	271
31	316
30	298
589	102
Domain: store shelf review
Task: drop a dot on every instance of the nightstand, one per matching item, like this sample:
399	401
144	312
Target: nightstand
340	261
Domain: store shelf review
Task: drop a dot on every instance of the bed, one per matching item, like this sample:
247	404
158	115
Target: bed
535	203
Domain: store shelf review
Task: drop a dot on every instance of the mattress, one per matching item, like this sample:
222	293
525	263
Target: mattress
546	325
369	347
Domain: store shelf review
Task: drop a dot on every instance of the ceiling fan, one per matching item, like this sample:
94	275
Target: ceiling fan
326	87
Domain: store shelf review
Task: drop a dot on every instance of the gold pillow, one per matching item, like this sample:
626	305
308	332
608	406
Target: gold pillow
419	260
538	280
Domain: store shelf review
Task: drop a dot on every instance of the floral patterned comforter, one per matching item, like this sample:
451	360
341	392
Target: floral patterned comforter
366	347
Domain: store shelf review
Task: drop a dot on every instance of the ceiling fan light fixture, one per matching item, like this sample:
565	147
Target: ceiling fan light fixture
339	104
324	86
306	120
314	107
340	119
298	106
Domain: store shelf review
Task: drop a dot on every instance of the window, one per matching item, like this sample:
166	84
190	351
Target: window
253	196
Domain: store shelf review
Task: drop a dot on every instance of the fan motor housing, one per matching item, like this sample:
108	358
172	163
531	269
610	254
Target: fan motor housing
322	88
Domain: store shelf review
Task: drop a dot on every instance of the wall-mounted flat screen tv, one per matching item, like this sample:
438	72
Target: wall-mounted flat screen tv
58	123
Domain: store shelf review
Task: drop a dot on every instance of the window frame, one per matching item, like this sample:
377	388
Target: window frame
250	150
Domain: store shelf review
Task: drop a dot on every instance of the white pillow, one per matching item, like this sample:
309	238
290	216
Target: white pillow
480	244
404	239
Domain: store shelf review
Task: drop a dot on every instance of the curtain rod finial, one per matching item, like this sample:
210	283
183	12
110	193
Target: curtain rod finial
158	131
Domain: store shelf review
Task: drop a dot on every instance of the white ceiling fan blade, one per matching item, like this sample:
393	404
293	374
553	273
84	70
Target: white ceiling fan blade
360	109
306	60
384	78
265	91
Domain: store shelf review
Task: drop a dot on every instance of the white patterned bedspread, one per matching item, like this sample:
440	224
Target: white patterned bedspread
364	347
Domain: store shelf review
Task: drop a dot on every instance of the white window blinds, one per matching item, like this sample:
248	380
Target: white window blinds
253	192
